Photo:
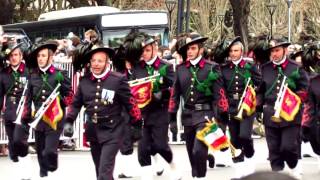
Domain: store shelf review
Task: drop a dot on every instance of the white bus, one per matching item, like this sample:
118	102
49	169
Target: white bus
110	23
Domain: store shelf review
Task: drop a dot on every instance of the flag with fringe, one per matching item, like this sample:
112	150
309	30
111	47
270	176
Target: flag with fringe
290	105
213	136
53	114
142	93
249	101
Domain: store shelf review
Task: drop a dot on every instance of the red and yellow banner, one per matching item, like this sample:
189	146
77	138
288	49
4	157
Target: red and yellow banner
53	114
142	93
290	105
249	102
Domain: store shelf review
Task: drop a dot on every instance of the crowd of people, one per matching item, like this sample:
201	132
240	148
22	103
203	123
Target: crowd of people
132	93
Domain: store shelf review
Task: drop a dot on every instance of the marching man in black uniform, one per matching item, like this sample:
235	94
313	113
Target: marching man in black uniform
104	94
123	65
311	119
48	123
236	72
200	84
155	114
282	115
13	82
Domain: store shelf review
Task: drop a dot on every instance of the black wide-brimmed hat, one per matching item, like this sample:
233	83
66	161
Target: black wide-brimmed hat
11	47
95	49
148	40
32	58
296	54
193	38
229	44
233	41
278	42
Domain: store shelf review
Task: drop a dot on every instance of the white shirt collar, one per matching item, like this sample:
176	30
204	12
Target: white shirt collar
103	74
45	69
151	61
15	68
237	61
280	62
196	60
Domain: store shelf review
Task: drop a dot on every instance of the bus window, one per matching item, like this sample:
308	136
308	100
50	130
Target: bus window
114	38
160	34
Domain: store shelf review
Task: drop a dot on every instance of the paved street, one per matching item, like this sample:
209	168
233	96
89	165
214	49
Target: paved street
78	165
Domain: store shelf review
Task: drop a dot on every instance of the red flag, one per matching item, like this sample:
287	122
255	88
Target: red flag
53	114
290	105
249	101
142	93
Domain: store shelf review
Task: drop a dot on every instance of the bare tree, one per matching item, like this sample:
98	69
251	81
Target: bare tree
6	14
241	10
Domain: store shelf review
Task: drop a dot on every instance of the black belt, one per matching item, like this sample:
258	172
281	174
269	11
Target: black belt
198	107
97	119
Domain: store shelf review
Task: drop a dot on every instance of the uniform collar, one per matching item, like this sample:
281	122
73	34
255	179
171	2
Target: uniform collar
241	63
201	63
155	63
283	64
49	69
151	61
102	76
19	69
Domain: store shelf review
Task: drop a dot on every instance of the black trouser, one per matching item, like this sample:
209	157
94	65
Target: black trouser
283	145
240	132
154	140
314	137
197	150
104	155
127	143
17	140
47	149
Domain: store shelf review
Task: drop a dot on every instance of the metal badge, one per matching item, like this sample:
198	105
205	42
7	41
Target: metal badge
236	96
23	80
12	99
108	95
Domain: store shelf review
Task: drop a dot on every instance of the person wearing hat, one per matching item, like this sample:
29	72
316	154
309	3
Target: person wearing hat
282	135
124	65
44	78
200	84
311	122
12	83
155	112
236	73
104	94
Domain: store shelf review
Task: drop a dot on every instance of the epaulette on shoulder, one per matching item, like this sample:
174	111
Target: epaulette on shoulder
181	64
117	74
293	62
210	62
165	62
315	77
266	64
225	64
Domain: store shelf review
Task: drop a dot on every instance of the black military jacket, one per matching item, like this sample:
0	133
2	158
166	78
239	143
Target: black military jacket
186	85
166	82
269	87
41	86
12	85
104	100
234	78
311	114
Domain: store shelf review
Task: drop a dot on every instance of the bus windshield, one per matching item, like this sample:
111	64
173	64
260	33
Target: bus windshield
113	38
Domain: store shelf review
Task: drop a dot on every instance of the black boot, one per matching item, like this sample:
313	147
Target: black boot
211	160
43	173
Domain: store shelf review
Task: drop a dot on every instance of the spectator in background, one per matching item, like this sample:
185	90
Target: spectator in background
90	36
